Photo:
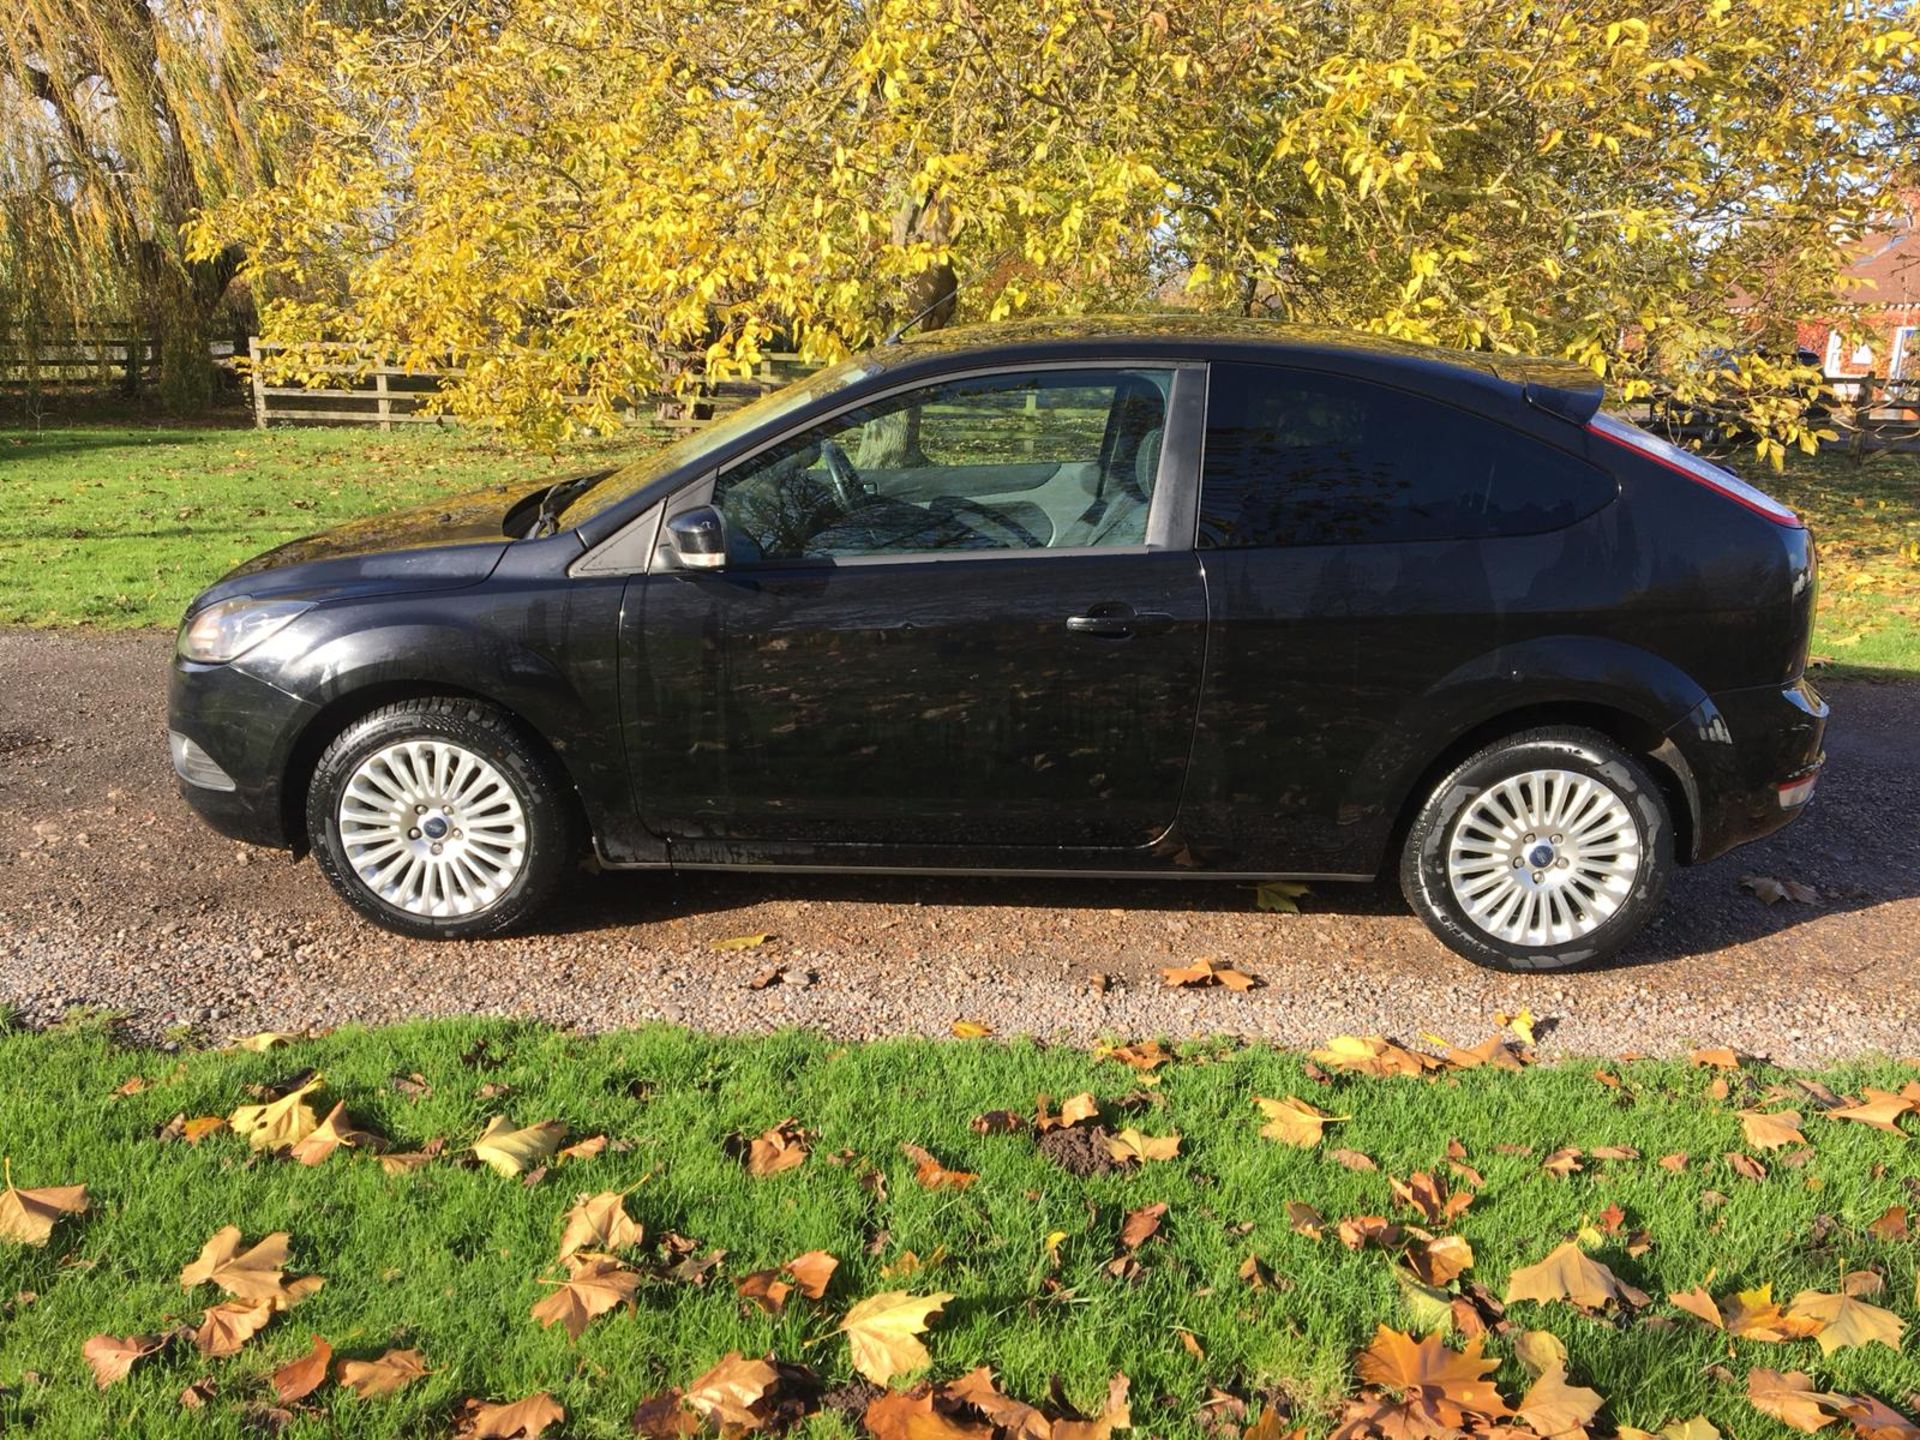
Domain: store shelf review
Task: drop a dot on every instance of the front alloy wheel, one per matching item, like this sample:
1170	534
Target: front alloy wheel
1546	850
440	818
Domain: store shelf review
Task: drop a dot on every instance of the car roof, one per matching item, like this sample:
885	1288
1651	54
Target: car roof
1561	386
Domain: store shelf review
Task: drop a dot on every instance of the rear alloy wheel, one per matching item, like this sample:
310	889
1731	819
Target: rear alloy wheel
1547	850
437	818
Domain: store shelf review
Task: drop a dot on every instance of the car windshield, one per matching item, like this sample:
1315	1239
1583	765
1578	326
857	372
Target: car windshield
631	479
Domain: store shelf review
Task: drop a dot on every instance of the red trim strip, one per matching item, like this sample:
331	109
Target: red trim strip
1791	521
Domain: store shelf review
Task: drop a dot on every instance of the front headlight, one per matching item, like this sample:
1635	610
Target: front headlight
228	630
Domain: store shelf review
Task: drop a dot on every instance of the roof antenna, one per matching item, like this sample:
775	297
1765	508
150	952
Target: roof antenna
895	337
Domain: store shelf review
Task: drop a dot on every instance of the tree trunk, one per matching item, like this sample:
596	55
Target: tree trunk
893	441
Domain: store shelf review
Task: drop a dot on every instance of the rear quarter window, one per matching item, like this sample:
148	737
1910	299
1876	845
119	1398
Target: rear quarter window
1295	457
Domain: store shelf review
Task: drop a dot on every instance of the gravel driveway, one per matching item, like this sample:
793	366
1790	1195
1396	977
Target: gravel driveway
111	894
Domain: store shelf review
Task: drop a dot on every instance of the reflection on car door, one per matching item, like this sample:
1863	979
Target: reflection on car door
994	694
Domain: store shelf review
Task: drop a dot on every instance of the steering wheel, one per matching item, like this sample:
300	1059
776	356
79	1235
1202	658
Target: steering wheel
849	490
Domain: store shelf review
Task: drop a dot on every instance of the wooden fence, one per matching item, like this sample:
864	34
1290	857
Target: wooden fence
367	389
96	356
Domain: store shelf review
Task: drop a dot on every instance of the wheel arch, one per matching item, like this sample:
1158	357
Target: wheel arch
1631	731
1630	695
349	706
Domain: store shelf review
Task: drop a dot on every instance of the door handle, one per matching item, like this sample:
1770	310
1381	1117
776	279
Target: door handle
1110	621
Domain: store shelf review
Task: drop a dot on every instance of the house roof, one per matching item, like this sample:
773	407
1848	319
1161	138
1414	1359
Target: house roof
1890	261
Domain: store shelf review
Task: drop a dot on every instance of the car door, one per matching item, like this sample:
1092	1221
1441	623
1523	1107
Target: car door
962	613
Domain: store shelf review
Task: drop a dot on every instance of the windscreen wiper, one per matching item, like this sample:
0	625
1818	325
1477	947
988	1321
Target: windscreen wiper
558	497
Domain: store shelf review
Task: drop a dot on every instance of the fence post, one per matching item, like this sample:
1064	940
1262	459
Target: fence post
384	405
259	385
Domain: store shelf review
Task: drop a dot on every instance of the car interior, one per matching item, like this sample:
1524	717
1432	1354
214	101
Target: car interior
1034	461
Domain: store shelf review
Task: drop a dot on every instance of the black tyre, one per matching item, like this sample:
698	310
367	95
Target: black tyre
438	818
1546	850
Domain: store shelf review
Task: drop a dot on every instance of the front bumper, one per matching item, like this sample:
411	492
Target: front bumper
1752	761
246	729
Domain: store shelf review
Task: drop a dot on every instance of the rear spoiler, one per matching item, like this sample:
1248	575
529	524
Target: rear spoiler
1559	387
1578	405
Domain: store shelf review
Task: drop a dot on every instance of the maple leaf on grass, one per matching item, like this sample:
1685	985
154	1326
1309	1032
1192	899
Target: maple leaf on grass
507	1151
229	1325
1371	1055
1791	1399
1845	1321
1880	1109
526	1419
1770	1131
1553	1407
883	1332
930	1174
1440	1261
27	1217
278	1124
251	1274
594	1285
914	1415
1567	1273
336	1130
1141	1225
727	1393
780	1147
300	1378
112	1356
812	1271
1714	1058
1294	1122
1018	1419
1436	1388
1130	1147
371	1379
1423	1193
599	1222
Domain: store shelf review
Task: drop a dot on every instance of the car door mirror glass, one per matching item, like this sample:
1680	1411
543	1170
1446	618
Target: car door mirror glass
699	538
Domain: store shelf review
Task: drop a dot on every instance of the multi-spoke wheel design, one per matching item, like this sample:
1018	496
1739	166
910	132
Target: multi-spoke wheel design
432	829
441	817
1544	850
1544	857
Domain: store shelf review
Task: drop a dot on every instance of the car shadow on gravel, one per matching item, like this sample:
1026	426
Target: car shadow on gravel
1706	909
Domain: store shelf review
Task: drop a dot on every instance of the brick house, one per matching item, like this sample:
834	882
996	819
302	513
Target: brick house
1887	308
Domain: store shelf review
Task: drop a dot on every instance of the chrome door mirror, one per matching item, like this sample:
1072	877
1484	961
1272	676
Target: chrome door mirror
699	538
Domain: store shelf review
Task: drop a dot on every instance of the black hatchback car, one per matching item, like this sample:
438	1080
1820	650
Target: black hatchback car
1147	597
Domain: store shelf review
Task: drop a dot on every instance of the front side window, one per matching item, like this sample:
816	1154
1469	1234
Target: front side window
1029	460
1295	457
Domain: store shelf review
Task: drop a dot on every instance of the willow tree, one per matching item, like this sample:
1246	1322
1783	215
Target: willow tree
561	196
119	120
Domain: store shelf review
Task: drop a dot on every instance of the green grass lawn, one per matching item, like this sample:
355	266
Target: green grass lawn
122	525
449	1258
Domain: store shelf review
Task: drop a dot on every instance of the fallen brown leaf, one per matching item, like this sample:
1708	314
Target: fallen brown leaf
594	1285
279	1124
930	1174
27	1217
229	1325
1205	973
371	1379
780	1147
525	1419
112	1356
300	1378
727	1393
1791	1399
1567	1273
1769	1131
507	1151
599	1222
1294	1122
883	1331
